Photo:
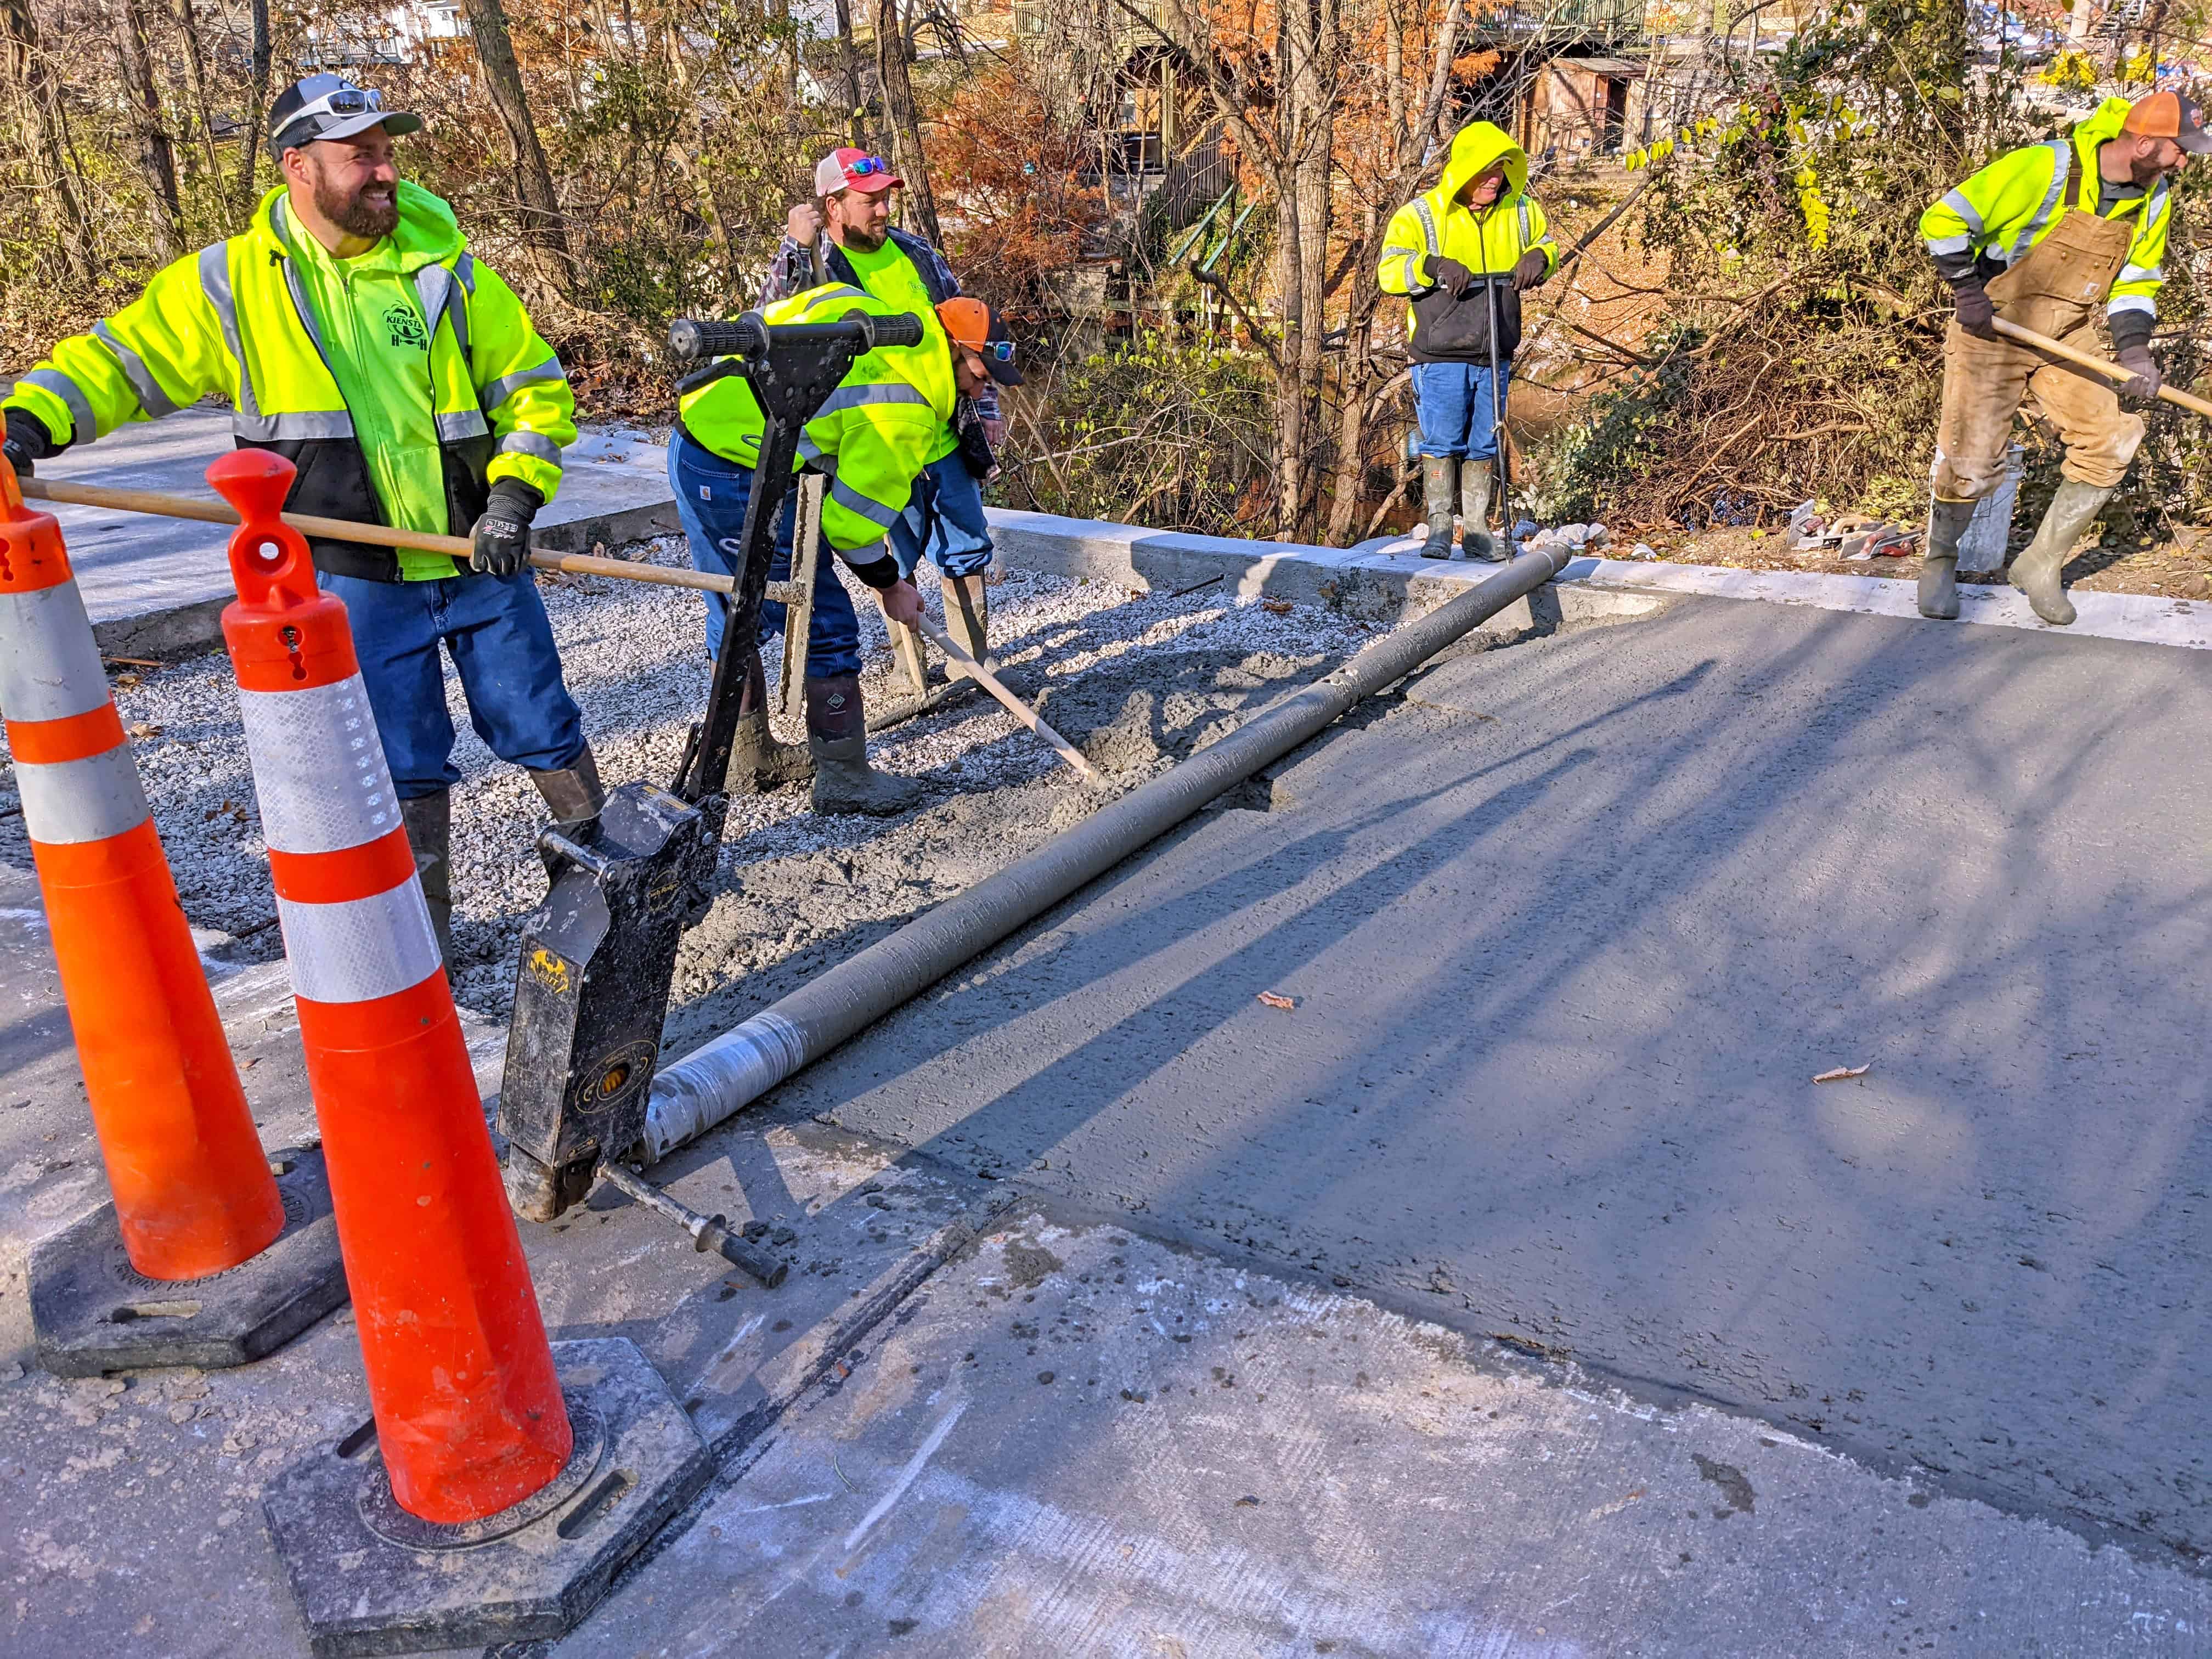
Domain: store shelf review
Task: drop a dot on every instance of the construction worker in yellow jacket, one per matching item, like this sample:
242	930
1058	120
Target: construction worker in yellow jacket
1463	254
354	333
2053	237
874	436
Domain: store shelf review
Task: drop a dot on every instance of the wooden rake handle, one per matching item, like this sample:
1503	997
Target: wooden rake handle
2096	365
1013	704
375	535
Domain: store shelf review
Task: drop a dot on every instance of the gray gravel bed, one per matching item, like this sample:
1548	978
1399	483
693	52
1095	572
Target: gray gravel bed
1139	680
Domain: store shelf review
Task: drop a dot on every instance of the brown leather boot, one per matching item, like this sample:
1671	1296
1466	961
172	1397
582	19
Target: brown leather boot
837	736
758	760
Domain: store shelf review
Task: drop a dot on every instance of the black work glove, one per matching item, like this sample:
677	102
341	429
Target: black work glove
1976	314
2137	360
1454	278
1533	269
28	443
503	531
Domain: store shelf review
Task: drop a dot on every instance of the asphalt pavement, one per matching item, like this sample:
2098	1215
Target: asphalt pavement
1571	929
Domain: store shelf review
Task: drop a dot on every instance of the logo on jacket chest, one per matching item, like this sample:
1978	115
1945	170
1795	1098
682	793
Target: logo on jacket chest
405	327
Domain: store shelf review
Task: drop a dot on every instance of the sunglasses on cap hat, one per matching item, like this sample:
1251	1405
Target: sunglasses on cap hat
853	169
974	326
332	106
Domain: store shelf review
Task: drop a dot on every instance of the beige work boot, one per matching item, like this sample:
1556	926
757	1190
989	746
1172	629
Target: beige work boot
837	736
968	622
2036	571
758	760
429	820
1939	558
1474	538
1439	484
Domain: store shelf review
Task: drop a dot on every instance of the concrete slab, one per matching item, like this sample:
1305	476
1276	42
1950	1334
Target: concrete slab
1076	1441
1571	933
156	587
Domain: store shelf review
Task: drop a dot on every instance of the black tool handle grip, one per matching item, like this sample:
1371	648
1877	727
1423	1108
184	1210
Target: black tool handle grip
903	329
695	340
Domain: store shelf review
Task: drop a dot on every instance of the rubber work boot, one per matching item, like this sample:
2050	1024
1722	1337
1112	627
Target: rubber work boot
968	622
837	736
1939	562
1474	538
574	796
429	820
758	760
1439	487
2035	572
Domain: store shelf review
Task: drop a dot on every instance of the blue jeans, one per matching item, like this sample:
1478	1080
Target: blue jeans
497	630
1453	402
944	520
711	494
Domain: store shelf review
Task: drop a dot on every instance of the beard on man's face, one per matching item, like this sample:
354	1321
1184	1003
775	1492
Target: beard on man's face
371	209
866	238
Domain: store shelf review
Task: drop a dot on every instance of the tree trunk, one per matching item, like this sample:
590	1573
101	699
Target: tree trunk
543	223
253	140
720	244
906	129
157	158
848	57
188	26
42	139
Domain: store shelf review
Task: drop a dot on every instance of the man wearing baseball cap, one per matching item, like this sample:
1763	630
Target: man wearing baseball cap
354	333
2052	238
846	235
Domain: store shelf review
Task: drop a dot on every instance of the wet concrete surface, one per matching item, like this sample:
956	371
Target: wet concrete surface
1571	928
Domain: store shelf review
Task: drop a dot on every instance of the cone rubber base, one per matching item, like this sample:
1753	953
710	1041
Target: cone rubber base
370	1578
93	1312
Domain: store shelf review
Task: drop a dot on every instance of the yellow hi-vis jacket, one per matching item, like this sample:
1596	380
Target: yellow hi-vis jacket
2017	200
873	435
235	319
1487	241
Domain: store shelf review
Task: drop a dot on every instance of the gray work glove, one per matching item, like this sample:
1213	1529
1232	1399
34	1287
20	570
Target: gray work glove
27	442
1533	269
503	531
1454	278
1976	314
2138	361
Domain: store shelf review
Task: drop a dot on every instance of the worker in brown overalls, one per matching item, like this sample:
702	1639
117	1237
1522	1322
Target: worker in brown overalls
2050	237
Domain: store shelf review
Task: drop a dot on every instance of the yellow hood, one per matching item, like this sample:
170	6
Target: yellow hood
1477	146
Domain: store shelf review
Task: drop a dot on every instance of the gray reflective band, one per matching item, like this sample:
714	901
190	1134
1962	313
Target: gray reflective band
841	291
293	428
49	666
1950	244
2141	274
151	398
464	271
1525	227
1957	202
879	391
530	443
861	505
1428	219
809	450
2130	302
506	386
2062	164
463	424
2155	207
215	283
434	286
358	950
868	553
79	408
68	802
306	311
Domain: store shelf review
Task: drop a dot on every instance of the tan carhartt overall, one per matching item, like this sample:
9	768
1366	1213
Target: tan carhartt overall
2059	290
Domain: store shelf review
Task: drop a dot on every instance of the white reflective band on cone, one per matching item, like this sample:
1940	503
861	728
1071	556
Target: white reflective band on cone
67	802
297	740
49	665
359	949
693	1095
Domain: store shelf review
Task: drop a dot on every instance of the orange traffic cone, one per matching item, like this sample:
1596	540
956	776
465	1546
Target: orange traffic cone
469	1413
192	1189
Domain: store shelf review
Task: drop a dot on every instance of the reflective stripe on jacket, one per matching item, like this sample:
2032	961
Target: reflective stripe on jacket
872	435
1487	241
2013	202
235	319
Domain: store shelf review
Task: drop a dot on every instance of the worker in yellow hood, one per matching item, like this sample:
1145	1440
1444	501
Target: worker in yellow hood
1463	255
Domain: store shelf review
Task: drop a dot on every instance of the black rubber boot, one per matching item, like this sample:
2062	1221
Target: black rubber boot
968	620
2036	571
1439	490
429	820
757	760
573	795
1474	538
837	736
1939	559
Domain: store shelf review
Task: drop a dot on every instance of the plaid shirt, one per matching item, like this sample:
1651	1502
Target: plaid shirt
791	271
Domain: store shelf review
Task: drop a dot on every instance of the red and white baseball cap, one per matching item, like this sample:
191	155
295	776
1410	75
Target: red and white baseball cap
853	169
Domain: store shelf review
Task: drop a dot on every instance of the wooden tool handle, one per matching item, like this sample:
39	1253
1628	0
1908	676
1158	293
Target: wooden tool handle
1013	704
375	535
2097	365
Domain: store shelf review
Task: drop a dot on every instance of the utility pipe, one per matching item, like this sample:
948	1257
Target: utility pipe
719	1078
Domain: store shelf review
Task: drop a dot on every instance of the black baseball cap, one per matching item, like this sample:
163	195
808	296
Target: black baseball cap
330	106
